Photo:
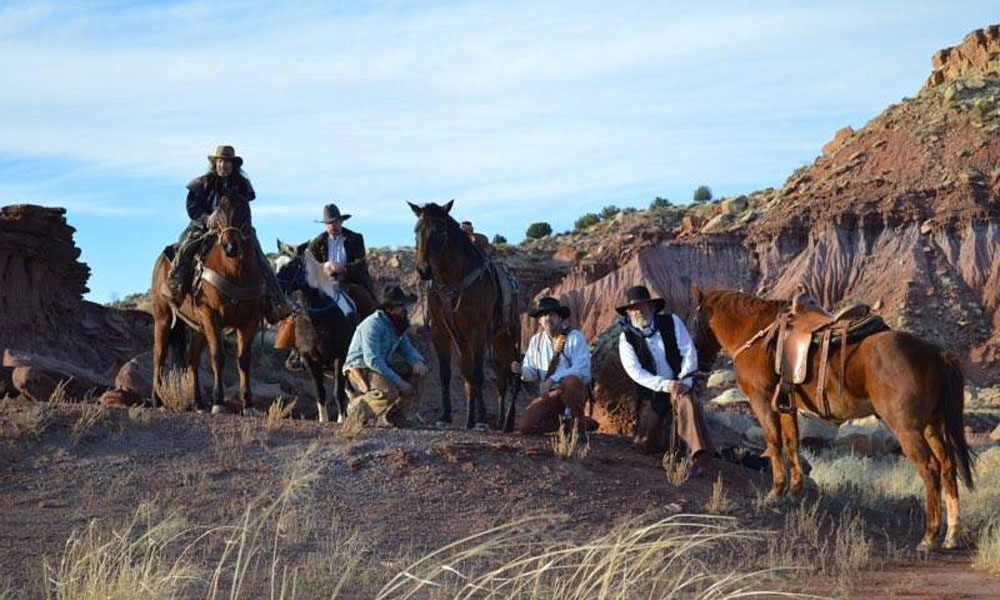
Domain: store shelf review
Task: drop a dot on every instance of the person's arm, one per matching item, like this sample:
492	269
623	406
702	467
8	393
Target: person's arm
632	366
373	347
578	355
529	366
689	354
196	200
410	354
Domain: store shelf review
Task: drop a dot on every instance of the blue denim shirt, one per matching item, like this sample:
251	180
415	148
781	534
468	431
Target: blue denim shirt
374	342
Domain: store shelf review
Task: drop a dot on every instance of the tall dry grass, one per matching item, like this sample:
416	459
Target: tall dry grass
177	390
569	443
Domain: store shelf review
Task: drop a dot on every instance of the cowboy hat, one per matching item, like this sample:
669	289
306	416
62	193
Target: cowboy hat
547	305
227	153
638	294
331	213
393	295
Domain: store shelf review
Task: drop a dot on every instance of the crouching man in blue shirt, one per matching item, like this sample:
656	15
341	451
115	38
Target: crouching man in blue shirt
383	367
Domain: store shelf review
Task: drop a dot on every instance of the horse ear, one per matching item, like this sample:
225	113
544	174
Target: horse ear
302	248
447	207
698	294
416	209
286	249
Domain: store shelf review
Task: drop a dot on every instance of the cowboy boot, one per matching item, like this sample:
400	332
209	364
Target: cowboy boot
181	272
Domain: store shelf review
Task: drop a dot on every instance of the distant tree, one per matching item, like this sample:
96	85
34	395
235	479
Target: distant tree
499	239
702	194
609	212
586	221
659	203
538	230
629	210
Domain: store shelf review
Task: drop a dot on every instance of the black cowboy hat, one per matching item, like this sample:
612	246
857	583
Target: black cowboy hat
331	213
638	294
547	305
227	153
393	295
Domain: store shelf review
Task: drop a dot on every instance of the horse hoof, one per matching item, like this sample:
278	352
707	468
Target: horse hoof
442	424
217	409
950	543
925	546
324	417
340	418
482	426
251	412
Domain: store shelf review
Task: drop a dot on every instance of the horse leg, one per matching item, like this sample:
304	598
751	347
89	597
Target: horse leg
244	354
771	424
916	448
471	363
790	439
503	353
442	346
949	481
316	372
194	361
218	361
161	331
339	390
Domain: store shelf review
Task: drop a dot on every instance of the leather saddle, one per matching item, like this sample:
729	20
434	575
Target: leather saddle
807	329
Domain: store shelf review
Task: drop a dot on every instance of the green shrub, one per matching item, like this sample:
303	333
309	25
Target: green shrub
537	231
499	239
609	212
702	194
659	203
586	221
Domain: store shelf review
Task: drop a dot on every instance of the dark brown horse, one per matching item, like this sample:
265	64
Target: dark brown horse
910	384
230	297
468	306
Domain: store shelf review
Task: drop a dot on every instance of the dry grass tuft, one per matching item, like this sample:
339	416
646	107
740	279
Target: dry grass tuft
139	414
177	390
718	503
987	556
278	411
60	395
25	421
678	468
352	426
567	444
91	416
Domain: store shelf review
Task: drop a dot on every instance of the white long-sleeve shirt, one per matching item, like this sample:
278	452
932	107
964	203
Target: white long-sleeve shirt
574	360
335	250
658	381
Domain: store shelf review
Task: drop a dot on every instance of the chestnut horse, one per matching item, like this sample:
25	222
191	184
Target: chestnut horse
230	297
911	385
467	305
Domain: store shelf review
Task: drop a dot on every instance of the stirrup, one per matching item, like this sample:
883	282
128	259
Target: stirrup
787	406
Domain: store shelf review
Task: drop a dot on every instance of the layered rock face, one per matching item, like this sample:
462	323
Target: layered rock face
43	314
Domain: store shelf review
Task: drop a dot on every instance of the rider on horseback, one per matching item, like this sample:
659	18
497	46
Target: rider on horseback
342	253
224	178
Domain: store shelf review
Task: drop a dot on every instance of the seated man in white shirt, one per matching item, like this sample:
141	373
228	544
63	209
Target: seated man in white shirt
658	354
559	359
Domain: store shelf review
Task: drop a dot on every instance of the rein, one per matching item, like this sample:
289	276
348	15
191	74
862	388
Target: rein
762	333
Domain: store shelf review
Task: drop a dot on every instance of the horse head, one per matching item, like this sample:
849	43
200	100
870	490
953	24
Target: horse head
289	267
231	225
705	342
435	231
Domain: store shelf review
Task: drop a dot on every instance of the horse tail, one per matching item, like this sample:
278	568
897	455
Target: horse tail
177	343
952	404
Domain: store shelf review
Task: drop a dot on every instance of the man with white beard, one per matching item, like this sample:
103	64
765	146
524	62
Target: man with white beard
657	353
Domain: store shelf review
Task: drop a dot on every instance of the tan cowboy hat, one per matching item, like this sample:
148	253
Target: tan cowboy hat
228	153
331	213
638	294
547	305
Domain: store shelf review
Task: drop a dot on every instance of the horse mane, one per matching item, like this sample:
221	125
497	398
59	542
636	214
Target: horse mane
742	304
316	277
434	211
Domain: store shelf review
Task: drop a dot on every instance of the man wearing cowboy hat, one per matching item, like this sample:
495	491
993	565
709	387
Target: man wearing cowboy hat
658	354
477	238
382	365
342	253
559	359
224	178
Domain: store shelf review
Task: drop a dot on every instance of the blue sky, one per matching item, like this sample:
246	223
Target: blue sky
521	111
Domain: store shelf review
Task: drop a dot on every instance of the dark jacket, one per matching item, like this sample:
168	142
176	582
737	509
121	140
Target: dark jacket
354	247
660	401
204	192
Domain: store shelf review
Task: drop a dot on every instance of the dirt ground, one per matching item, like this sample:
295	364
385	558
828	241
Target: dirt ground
411	489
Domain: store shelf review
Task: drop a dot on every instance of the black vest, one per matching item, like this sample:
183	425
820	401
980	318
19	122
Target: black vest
660	401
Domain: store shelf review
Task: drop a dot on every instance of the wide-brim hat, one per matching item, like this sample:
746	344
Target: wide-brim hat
393	295
637	295
228	153
547	305
331	213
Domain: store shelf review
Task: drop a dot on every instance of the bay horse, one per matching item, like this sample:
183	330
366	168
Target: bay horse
230	297
468	306
908	383
323	331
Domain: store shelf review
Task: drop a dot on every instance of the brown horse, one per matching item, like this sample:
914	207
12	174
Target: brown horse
910	384
230	298
467	305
